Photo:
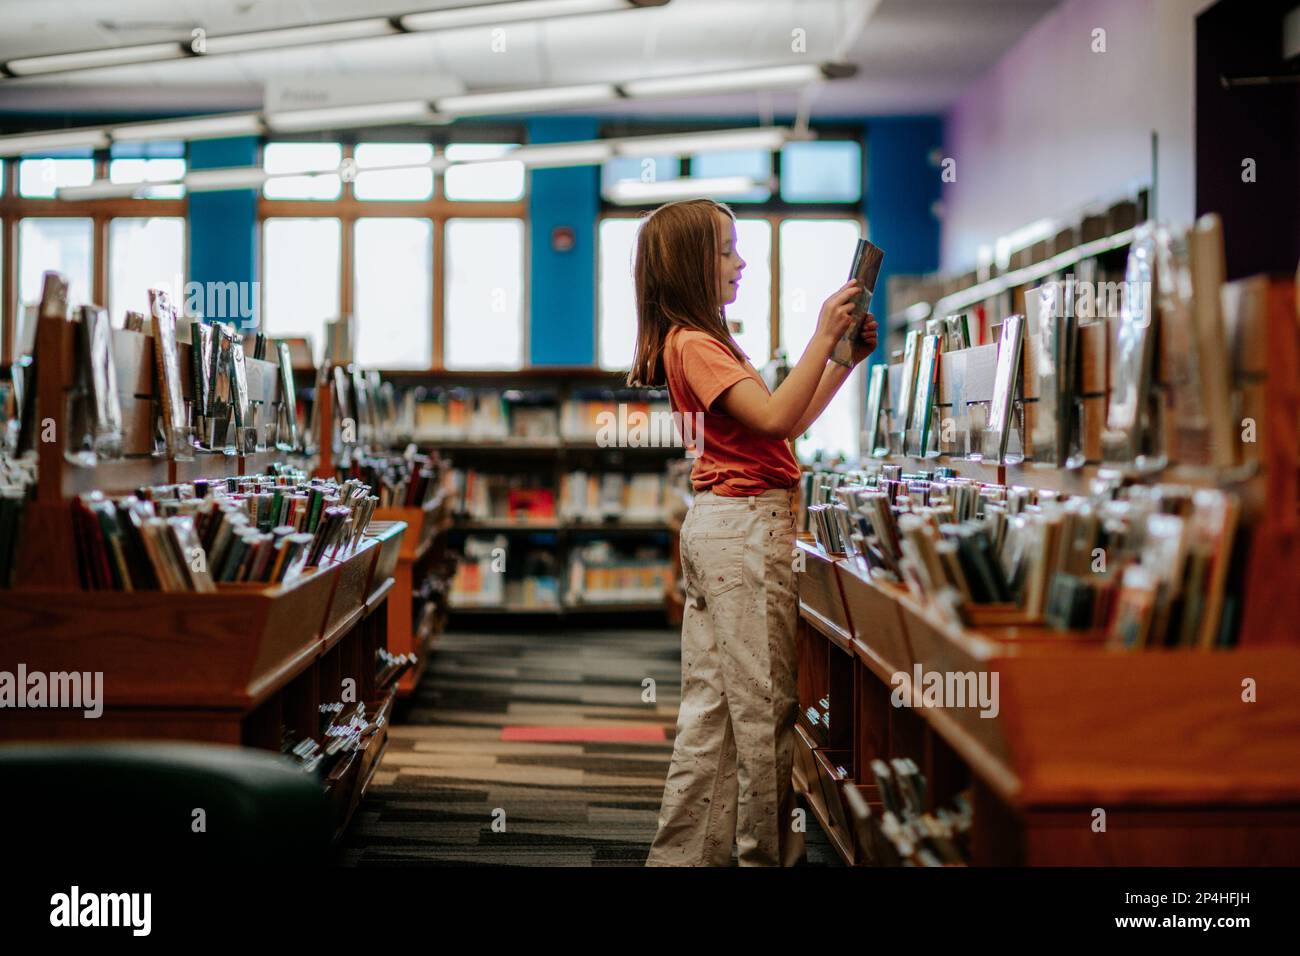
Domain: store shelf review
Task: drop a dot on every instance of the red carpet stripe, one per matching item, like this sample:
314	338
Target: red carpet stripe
583	734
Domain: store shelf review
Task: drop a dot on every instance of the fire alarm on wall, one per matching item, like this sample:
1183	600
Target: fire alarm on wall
562	238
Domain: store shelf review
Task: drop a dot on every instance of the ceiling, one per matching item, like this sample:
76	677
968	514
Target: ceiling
913	56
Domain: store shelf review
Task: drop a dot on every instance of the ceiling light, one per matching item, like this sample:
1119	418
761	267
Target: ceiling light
384	114
680	144
94	59
564	154
514	12
632	192
211	180
764	78
38	142
201	127
515	101
316	33
298	36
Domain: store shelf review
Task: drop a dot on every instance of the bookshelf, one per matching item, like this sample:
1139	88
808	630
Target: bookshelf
1186	772
239	666
533	430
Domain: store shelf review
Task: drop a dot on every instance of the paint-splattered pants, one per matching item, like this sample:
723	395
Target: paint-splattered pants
730	773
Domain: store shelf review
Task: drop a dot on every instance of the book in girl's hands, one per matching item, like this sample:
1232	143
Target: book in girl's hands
866	269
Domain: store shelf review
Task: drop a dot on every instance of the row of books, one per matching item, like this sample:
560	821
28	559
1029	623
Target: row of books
487	576
610	496
592	413
343	728
1169	302
409	480
17	478
601	573
904	832
489	496
194	535
1147	565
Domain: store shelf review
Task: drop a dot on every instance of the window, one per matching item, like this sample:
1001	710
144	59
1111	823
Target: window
301	275
144	254
377	179
638	169
483	313
821	171
318	164
753	305
755	163
616	292
394	292
503	181
40	178
815	259
59	245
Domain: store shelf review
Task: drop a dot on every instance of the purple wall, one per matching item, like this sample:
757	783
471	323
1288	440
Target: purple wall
1055	126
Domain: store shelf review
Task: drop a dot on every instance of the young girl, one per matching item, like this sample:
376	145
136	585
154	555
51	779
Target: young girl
730	775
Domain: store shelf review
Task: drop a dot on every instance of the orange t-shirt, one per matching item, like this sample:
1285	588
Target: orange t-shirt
733	461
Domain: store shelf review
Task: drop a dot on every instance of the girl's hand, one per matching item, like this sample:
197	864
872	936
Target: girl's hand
837	312
866	341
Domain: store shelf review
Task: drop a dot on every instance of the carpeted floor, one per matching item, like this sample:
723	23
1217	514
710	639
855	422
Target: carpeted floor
530	749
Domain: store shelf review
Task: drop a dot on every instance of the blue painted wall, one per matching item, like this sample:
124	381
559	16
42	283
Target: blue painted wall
562	285
223	225
902	189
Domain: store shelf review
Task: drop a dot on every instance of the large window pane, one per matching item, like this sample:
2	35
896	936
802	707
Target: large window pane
39	178
394	292
483	181
638	169
144	171
753	305
300	275
815	259
319	162
755	163
821	171
617	292
144	254
484	309
59	245
376	179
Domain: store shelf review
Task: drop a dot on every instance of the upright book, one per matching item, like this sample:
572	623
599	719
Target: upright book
866	270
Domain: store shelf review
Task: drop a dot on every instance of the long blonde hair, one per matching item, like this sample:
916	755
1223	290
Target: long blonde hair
676	273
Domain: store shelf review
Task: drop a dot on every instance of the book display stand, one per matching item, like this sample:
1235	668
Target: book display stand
241	665
1095	756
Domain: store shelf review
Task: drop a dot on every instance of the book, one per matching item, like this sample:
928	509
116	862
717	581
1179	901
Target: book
175	423
902	409
865	268
875	441
287	440
99	374
1125	439
927	380
1005	382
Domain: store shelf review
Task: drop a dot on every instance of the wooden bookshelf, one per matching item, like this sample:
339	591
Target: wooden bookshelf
1187	772
237	666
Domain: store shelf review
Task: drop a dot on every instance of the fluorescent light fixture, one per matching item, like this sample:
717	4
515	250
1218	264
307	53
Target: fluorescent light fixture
211	180
298	36
100	189
38	142
336	31
514	12
516	101
540	155
631	192
201	127
764	78
95	59
383	114
679	144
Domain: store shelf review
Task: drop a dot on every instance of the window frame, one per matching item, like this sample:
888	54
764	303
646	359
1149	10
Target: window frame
15	208
438	209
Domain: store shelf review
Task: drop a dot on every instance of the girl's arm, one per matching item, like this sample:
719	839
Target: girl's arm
776	415
834	376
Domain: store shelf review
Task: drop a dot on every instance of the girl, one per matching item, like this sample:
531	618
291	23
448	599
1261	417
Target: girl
730	773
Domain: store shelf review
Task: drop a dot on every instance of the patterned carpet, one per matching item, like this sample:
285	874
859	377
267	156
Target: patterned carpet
452	791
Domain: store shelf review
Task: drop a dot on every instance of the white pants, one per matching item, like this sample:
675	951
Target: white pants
730	773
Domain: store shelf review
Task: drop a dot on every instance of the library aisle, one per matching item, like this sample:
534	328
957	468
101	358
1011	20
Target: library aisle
548	728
